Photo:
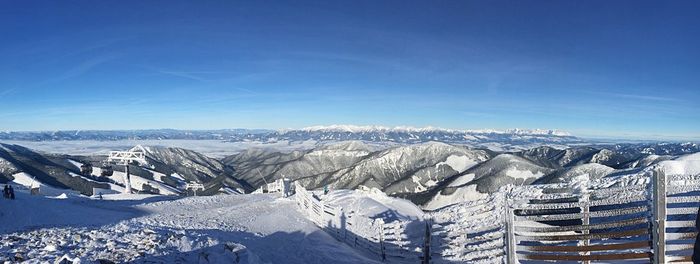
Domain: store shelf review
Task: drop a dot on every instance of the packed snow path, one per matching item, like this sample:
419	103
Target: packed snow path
258	228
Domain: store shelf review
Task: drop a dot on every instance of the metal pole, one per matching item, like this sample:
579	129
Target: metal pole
659	204
127	181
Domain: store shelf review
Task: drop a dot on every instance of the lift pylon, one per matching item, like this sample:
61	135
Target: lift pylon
136	153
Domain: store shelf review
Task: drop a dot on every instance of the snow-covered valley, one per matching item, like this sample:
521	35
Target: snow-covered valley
381	200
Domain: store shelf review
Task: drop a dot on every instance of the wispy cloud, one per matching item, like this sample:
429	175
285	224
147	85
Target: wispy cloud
6	92
639	97
186	75
79	69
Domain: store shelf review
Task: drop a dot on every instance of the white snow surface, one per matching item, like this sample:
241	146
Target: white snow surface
523	174
260	228
684	165
458	163
462	180
24	180
461	195
373	203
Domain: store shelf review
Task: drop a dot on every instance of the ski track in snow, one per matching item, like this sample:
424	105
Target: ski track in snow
259	228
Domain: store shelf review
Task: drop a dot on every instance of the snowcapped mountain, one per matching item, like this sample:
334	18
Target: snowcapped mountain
558	158
318	133
430	173
166	171
402	169
417	135
590	171
545	164
195	167
408	129
158	134
487	177
52	169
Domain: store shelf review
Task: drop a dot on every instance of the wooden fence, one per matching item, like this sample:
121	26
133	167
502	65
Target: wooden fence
594	225
678	210
477	235
647	218
384	240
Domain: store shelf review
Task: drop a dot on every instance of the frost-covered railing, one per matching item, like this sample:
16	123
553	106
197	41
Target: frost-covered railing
679	210
642	217
280	185
580	223
385	240
470	232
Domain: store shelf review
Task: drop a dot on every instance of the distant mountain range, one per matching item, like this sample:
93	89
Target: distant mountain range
224	134
406	135
432	167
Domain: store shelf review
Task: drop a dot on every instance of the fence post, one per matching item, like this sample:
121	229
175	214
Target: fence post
511	252
659	205
586	209
427	241
381	238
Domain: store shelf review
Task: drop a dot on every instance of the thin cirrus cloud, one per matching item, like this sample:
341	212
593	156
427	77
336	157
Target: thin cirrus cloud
639	97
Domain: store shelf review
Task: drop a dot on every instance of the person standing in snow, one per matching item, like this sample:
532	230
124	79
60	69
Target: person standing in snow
12	193
6	192
325	189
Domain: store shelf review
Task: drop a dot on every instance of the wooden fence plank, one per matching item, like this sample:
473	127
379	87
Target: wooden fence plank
677	259
628	222
689	183
622	256
573	216
621	246
675	236
575	205
682	189
680	224
682	199
678	247
682	211
620	234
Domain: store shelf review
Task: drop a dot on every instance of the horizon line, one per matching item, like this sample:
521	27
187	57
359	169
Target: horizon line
596	137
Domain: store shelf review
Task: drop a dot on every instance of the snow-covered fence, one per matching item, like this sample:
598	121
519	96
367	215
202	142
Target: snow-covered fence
678	207
470	232
393	240
283	185
646	217
607	224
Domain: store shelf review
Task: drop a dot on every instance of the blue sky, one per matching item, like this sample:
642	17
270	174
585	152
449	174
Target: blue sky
625	69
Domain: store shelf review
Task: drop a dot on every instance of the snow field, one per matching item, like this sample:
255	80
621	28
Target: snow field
136	228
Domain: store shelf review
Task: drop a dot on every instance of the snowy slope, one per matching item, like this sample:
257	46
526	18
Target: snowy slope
684	165
373	203
591	171
166	171
485	178
146	229
401	169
